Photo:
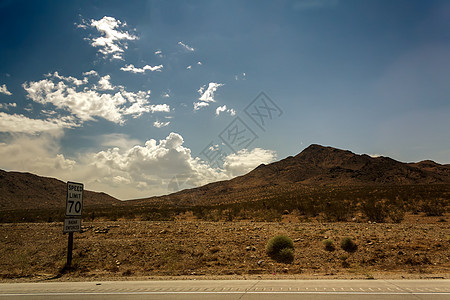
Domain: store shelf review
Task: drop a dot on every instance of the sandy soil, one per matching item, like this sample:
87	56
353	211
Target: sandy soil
194	249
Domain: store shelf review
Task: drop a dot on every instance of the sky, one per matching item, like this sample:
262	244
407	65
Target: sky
143	98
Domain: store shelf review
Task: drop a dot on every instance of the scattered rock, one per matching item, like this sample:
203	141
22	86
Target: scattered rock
101	230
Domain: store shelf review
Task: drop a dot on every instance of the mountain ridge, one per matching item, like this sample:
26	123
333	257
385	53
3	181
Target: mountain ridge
315	166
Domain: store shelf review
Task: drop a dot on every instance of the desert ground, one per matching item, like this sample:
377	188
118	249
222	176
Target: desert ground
416	248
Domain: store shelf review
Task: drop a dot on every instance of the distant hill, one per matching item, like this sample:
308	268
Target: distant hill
29	191
314	167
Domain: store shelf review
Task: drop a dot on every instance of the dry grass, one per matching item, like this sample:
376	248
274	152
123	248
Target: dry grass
193	248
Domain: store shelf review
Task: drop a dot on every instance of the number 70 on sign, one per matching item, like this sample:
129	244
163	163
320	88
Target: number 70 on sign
74	203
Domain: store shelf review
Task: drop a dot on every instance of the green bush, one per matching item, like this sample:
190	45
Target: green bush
281	248
328	245
286	255
278	243
348	244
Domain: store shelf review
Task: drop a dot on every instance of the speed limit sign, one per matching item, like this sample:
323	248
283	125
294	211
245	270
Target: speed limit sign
74	203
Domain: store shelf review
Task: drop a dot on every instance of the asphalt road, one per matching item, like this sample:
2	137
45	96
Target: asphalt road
231	289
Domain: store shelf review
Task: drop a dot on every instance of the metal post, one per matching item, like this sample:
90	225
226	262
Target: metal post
69	249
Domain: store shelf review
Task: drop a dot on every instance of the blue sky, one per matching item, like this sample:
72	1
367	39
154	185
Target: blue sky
141	98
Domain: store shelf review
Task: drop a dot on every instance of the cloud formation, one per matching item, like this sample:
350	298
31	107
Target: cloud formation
187	47
148	169
4	90
224	108
159	124
113	37
131	68
105	84
90	73
21	124
87	102
125	169
244	161
7	105
38	154
206	95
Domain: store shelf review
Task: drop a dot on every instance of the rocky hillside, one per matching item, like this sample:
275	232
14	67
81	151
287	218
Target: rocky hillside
316	166
29	191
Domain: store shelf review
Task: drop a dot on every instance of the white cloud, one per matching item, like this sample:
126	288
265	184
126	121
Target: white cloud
198	105
7	105
160	108
131	68
90	73
206	95
117	140
150	166
4	90
88	102
21	124
126	168
69	79
244	161
185	46
199	63
112	39
28	108
223	108
148	169
159	53
166	94
159	124
105	83
37	154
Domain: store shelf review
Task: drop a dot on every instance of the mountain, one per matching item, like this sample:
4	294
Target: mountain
314	167
326	165
29	191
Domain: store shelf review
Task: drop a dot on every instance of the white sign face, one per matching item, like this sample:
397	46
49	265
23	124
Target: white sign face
74	203
72	225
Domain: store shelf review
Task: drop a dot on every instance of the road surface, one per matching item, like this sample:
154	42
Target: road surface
231	289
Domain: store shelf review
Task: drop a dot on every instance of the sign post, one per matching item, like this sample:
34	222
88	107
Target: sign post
74	208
